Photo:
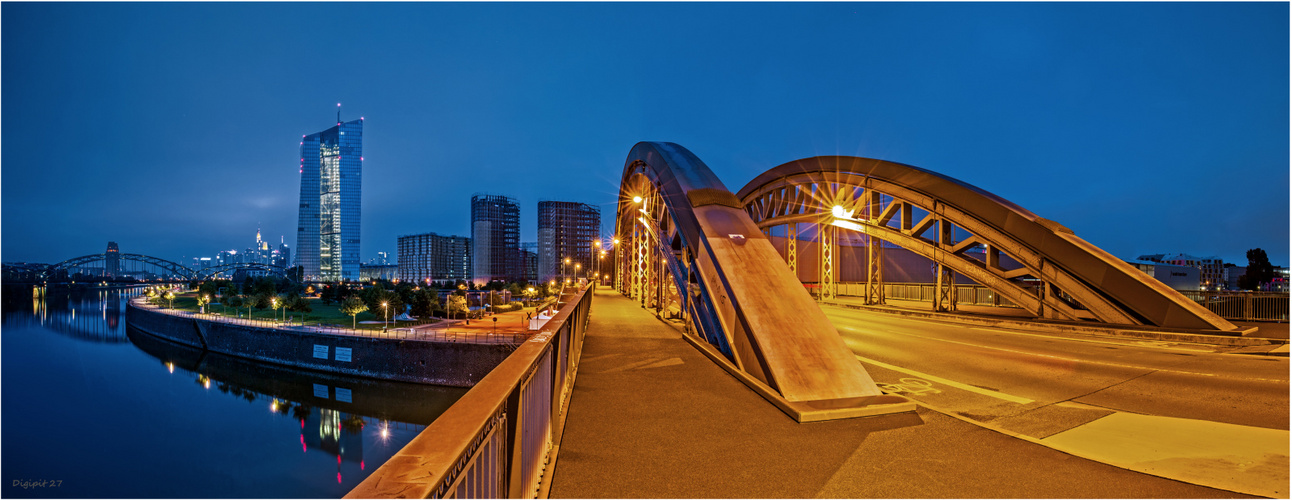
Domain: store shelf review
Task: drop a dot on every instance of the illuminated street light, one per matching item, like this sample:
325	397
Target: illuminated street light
385	315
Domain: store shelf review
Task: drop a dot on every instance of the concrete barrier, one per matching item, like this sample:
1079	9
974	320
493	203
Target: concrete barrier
427	362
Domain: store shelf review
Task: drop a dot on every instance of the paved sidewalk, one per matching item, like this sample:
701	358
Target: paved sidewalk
651	417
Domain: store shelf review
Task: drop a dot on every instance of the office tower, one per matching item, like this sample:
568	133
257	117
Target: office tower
284	254
567	229
112	260
495	238
433	257
327	237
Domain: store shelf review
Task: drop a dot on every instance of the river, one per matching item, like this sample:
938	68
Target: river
94	409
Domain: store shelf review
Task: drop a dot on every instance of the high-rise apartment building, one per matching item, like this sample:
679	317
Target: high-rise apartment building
529	261
495	238
567	229
327	237
433	257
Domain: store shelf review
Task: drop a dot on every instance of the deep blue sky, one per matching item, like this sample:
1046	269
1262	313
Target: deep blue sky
173	129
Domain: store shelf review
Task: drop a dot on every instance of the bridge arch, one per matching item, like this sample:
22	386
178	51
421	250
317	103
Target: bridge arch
926	213
684	242
178	269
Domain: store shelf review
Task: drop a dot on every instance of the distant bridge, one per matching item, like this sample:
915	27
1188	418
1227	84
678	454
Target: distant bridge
175	270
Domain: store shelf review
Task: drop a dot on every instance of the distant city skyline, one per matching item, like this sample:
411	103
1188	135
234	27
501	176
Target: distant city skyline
1145	128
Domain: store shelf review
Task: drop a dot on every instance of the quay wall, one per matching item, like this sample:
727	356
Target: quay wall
455	364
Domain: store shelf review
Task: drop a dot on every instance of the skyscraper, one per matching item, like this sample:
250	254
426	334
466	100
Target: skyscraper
327	237
566	229
112	260
495	238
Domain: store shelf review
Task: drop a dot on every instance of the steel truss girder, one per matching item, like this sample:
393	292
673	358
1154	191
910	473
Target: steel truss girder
1046	250
997	279
179	269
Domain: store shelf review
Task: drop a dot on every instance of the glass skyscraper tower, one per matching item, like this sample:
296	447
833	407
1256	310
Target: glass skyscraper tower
327	237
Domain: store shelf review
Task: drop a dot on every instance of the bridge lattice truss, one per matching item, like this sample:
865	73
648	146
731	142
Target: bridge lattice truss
687	247
174	268
926	212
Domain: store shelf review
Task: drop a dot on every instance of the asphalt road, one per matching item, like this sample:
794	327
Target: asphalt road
1001	370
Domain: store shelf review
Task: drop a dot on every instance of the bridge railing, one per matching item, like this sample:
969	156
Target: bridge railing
1231	305
1244	306
499	440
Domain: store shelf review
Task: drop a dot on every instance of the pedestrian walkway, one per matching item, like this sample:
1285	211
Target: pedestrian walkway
652	417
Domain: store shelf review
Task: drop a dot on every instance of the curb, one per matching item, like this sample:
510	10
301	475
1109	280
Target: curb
1139	333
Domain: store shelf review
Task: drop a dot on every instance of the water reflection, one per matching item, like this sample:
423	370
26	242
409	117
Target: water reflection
281	432
84	313
333	411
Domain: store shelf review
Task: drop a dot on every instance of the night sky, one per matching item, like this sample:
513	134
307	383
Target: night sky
173	129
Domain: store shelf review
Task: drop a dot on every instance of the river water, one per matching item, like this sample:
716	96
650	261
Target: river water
93	409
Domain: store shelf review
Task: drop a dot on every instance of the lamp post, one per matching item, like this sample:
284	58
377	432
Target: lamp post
385	314
564	276
274	303
596	249
577	265
615	245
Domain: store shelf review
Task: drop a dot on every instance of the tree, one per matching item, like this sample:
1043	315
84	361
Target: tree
458	304
1259	270
352	306
261	300
423	302
328	295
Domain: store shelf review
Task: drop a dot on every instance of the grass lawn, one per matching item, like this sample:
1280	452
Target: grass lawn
325	314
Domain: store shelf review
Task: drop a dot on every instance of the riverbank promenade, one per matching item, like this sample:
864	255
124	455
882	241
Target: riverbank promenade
652	417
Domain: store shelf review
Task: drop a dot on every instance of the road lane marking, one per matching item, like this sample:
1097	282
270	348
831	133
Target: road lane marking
952	383
1104	363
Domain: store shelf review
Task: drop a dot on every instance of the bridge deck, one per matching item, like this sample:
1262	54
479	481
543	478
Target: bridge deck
651	417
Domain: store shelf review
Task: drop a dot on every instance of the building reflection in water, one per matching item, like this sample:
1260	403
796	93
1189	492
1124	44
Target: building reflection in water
333	412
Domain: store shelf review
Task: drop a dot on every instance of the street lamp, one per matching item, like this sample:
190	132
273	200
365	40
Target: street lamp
385	316
274	303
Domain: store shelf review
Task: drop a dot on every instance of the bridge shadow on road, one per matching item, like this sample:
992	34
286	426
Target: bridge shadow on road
652	417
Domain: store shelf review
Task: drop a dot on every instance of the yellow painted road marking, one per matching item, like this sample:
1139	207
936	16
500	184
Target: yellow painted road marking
1252	460
952	383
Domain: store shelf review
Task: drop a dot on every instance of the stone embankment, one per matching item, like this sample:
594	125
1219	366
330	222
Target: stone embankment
457	364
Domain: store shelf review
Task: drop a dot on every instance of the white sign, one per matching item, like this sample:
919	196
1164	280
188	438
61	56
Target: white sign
343	395
343	354
320	391
320	351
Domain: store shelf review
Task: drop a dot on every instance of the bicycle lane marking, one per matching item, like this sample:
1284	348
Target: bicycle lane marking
985	392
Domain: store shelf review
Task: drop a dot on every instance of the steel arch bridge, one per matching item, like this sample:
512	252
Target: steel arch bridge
177	269
180	270
686	244
694	249
941	219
